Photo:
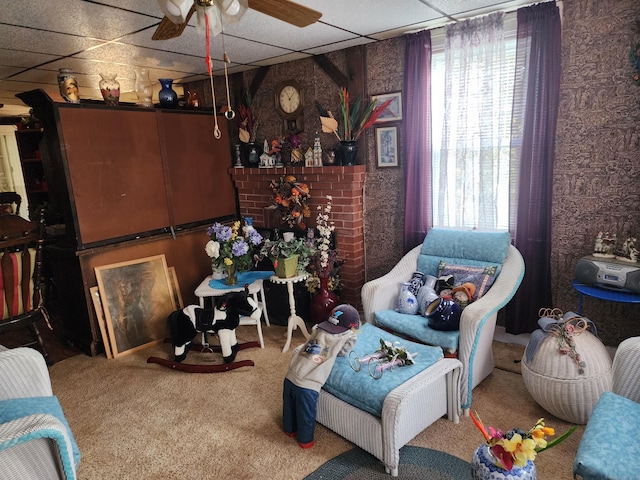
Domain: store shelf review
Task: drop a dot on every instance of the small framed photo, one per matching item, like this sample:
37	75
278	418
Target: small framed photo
393	112
387	146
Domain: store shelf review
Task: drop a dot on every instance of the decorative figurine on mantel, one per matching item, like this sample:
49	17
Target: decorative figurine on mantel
308	157
605	245
629	252
267	160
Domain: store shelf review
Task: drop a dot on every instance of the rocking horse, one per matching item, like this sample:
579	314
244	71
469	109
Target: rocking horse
222	319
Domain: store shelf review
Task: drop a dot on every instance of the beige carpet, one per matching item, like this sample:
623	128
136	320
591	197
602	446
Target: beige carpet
508	356
137	420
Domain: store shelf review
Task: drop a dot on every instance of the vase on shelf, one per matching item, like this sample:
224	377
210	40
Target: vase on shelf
348	152
232	275
110	89
323	302
251	154
144	89
167	96
483	467
68	85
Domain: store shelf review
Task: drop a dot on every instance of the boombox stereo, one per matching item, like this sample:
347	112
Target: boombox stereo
608	273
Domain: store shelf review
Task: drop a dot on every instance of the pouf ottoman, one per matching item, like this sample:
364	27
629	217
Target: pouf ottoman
554	381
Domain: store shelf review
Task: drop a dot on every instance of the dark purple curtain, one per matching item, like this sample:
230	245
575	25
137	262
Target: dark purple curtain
416	152
539	34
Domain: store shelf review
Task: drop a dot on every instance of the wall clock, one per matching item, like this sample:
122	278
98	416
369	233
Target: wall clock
290	105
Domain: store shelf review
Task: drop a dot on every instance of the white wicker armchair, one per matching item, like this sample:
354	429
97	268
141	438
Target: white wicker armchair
609	448
477	324
36	445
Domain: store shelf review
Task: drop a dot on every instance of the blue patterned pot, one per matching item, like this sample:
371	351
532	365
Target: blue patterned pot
483	467
443	315
407	301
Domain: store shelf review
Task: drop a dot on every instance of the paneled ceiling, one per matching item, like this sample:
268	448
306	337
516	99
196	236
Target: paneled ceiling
95	36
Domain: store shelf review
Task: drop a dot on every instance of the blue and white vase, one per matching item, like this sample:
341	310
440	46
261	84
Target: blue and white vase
483	467
167	96
417	280
407	301
427	293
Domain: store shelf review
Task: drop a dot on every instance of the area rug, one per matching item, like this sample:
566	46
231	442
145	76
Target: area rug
415	463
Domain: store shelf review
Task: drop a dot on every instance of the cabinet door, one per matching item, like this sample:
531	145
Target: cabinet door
114	172
199	183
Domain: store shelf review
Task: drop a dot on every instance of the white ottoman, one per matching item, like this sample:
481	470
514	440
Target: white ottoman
555	384
405	411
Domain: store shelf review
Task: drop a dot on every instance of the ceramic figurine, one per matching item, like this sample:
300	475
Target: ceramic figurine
629	252
605	245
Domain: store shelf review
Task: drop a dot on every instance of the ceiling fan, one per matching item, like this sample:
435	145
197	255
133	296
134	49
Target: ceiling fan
179	12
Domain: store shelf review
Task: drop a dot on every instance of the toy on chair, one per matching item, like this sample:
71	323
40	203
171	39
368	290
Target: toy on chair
222	319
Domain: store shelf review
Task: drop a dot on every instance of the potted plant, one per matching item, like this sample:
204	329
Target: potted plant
290	256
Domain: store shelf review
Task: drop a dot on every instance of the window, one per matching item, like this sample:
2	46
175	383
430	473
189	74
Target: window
472	90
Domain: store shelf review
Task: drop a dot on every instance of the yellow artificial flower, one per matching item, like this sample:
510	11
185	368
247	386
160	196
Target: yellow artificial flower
521	449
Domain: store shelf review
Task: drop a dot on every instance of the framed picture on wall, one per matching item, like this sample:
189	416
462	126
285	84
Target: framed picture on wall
137	297
387	146
393	112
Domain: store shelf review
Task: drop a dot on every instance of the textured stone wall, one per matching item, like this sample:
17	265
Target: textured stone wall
597	151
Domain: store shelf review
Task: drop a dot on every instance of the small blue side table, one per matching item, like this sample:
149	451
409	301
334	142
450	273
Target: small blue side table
603	294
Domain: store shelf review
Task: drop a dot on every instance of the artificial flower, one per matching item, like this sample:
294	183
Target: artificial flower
517	447
355	118
248	126
228	247
291	197
326	261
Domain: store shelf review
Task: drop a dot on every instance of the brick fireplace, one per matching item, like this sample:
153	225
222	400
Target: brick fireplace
344	184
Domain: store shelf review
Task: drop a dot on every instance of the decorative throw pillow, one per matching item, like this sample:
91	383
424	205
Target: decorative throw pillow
481	277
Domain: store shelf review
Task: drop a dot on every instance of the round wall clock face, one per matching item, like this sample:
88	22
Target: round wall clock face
289	99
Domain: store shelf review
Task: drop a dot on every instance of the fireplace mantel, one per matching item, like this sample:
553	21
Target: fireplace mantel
344	184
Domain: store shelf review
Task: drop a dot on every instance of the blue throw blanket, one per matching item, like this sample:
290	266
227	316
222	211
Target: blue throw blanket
363	391
15	408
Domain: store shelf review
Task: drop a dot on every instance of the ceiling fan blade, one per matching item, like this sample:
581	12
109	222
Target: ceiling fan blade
287	11
167	29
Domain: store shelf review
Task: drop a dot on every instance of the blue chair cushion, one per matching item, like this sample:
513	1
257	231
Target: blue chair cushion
363	391
417	327
463	247
609	448
14	408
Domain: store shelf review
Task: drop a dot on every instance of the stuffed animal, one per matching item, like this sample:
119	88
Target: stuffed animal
223	319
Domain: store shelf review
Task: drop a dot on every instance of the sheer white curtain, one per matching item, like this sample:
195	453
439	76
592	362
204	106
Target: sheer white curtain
472	125
11	178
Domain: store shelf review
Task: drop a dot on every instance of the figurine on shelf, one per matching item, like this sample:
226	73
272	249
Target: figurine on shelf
605	245
629	252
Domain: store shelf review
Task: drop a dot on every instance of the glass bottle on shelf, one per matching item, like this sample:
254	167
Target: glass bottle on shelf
144	89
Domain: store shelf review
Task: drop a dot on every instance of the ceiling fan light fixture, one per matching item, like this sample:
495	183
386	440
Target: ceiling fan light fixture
218	14
175	10
230	7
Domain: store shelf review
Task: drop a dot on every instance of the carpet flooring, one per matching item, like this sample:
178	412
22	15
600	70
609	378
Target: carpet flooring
132	419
